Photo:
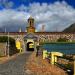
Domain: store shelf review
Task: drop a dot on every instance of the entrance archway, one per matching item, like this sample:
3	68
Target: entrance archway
30	46
30	42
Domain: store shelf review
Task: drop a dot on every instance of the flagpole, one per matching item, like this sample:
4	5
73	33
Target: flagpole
8	44
5	30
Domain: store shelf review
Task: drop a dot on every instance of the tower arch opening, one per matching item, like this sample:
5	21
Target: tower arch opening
30	46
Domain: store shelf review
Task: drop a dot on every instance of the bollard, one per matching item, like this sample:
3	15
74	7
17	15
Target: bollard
74	64
20	50
45	54
54	57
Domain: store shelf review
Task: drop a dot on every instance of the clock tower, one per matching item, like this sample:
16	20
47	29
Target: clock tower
30	28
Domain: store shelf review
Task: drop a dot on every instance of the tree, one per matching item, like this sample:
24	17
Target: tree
12	46
62	39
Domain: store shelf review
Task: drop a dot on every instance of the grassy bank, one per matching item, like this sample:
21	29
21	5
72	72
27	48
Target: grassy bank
57	43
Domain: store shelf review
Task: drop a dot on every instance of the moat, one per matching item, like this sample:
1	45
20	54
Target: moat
66	48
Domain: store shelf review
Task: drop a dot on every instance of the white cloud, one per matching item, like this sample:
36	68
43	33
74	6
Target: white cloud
22	8
6	4
9	4
56	16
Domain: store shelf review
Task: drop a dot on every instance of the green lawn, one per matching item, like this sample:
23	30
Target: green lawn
57	43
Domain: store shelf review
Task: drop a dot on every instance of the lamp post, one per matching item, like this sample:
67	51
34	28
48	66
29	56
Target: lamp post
8	44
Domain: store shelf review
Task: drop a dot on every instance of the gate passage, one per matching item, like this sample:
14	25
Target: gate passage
30	46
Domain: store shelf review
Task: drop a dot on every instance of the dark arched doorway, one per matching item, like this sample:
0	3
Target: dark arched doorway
30	46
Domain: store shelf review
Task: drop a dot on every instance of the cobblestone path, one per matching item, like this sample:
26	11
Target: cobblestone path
14	66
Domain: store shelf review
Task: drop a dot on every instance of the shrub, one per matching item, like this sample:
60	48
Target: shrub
12	46
62	40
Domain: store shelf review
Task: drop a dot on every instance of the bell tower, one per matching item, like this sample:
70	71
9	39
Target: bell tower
30	28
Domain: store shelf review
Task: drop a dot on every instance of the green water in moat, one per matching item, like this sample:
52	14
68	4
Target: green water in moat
66	48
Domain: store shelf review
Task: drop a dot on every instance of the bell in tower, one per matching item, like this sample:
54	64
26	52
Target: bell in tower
31	28
31	22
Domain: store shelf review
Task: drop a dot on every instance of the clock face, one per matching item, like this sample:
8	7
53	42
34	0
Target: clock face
31	30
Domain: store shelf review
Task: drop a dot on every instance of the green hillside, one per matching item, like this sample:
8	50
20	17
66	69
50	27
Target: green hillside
71	28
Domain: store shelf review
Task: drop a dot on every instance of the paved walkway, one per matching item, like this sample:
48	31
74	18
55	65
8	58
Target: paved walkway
14	66
38	66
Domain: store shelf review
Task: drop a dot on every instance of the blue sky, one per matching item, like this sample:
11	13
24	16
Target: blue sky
27	2
56	15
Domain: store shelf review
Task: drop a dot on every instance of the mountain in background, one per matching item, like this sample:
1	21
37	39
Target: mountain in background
71	28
